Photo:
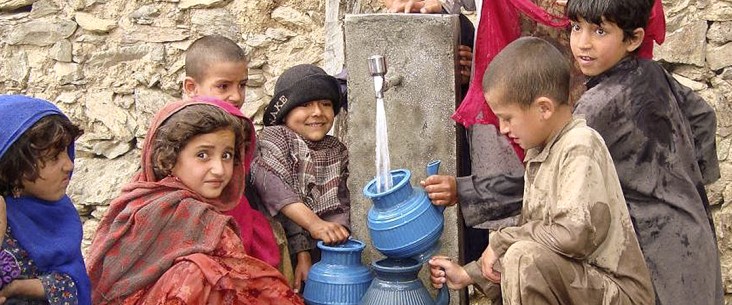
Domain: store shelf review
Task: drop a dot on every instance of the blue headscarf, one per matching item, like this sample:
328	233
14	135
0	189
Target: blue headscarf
49	231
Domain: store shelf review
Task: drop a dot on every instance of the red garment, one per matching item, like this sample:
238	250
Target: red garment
500	25
256	233
162	243
246	280
655	31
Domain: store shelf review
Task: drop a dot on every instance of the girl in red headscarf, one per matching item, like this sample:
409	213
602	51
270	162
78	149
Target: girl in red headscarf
165	240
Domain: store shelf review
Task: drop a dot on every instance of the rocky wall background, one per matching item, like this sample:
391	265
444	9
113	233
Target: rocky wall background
111	64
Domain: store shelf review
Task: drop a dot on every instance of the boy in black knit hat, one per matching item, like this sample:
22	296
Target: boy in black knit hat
300	171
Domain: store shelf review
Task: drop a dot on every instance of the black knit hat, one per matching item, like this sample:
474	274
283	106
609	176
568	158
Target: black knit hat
298	85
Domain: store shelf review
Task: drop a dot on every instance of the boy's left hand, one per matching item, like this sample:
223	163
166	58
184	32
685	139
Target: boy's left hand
488	260
329	232
441	189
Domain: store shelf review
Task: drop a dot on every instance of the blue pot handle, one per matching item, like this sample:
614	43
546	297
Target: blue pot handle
443	296
432	168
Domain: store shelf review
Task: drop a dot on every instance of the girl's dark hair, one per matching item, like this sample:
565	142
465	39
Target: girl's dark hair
177	130
39	144
627	14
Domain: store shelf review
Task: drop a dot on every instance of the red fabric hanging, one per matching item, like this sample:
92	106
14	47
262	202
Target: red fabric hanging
655	31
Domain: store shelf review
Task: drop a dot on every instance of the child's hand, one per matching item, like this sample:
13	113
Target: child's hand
488	260
441	189
304	262
466	61
444	270
413	6
26	288
329	232
7	291
430	7
3	219
401	6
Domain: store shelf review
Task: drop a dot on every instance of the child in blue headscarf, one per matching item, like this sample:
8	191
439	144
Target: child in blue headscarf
40	261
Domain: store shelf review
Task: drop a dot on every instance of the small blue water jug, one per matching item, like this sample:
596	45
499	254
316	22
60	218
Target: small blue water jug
396	283
339	278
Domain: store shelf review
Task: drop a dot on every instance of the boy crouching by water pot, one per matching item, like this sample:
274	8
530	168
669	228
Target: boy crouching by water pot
575	243
300	171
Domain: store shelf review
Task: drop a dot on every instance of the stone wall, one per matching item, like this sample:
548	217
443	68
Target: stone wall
110	64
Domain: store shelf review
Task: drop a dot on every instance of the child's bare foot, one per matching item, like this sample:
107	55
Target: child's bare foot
444	270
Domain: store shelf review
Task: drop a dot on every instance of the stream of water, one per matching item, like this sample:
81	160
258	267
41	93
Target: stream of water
383	177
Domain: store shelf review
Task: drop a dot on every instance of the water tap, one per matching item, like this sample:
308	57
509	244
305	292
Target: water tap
377	68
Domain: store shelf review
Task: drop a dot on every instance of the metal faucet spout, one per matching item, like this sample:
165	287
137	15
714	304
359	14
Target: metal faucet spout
377	65
377	68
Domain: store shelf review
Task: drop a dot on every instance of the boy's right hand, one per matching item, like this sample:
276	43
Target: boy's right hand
329	232
441	189
444	271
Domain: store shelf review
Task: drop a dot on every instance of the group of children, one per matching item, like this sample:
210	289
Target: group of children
183	231
629	227
614	209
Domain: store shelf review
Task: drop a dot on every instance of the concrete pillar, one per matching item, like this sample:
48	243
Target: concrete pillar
420	52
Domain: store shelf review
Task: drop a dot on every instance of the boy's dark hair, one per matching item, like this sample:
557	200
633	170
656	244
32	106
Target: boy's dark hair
527	69
208	49
38	145
177	130
627	14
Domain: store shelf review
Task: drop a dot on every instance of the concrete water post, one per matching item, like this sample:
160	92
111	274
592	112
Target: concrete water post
420	94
